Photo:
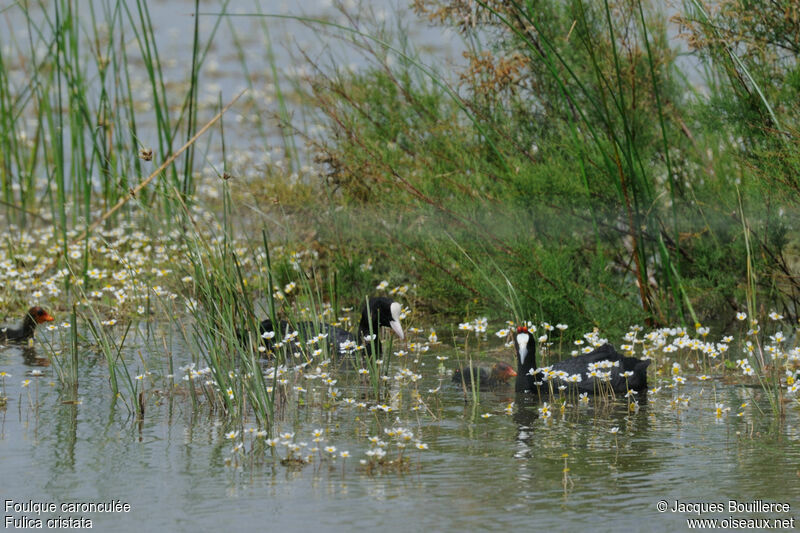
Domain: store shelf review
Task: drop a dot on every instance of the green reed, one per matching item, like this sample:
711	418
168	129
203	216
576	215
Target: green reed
112	349
87	132
66	366
465	361
225	332
378	364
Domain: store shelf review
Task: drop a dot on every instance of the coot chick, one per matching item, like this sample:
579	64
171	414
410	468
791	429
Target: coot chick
496	375
35	315
624	373
379	312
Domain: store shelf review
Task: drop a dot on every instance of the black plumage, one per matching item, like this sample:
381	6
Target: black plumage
35	315
376	313
618	366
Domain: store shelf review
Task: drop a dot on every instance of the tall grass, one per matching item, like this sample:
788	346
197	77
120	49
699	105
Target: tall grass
83	150
89	148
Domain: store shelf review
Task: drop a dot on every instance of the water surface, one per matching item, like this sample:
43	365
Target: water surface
175	468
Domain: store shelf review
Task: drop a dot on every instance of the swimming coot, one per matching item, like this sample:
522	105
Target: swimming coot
597	371
378	312
35	315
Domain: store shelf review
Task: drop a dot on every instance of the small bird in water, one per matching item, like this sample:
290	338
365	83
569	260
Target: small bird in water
498	374
35	316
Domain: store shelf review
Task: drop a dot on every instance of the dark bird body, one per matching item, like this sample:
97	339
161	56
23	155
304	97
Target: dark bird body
580	365
23	332
381	312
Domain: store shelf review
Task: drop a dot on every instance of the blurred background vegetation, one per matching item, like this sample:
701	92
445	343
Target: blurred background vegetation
596	163
610	179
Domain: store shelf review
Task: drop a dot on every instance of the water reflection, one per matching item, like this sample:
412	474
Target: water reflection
31	358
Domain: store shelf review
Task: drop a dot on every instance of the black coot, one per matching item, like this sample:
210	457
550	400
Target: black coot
625	372
380	312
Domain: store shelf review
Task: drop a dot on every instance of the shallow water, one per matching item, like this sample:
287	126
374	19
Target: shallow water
174	467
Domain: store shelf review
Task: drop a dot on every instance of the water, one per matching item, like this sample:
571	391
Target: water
175	468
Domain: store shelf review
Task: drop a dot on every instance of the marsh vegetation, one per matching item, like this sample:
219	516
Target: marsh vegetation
585	173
